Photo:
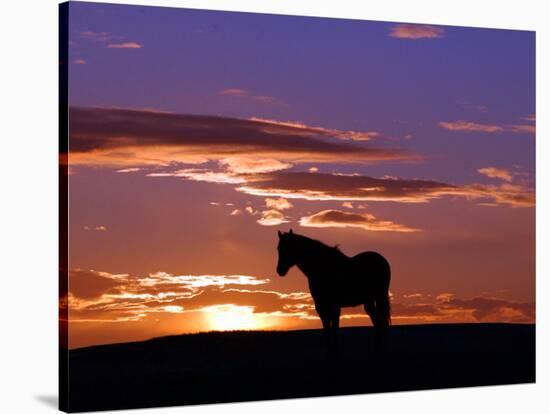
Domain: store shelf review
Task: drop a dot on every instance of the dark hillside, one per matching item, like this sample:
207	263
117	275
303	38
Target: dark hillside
240	366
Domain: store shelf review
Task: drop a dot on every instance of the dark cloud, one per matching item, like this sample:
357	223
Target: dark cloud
339	187
319	186
448	308
417	309
111	136
89	284
494	309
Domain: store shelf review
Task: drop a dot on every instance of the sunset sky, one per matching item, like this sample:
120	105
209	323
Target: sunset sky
196	135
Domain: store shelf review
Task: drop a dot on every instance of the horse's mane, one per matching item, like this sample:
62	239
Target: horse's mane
317	244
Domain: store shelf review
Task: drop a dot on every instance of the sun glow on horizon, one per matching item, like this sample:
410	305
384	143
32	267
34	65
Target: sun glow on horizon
232	318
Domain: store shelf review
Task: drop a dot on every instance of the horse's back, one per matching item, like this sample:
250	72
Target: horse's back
371	259
366	276
373	264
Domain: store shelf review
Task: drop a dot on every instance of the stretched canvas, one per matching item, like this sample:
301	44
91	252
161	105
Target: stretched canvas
257	207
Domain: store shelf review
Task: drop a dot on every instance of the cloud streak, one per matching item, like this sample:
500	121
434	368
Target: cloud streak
125	45
309	130
416	31
96	296
117	42
245	94
523	129
125	138
469	127
338	187
96	228
494	172
98	36
342	219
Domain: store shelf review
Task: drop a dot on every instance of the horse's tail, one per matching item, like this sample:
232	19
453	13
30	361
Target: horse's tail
383	308
383	304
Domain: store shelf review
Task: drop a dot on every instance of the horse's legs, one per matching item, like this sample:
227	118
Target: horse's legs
381	331
330	317
371	311
335	326
325	320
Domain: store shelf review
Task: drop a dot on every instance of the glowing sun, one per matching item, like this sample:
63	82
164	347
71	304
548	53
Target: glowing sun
232	318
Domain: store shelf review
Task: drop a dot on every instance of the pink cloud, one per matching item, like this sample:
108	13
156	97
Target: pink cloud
524	129
494	172
470	126
243	93
416	31
97	36
314	130
125	45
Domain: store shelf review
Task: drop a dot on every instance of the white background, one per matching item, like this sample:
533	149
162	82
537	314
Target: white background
28	203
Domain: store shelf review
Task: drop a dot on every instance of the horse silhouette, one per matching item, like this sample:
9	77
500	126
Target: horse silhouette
337	281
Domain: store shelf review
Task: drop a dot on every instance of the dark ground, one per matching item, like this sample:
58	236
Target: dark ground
244	366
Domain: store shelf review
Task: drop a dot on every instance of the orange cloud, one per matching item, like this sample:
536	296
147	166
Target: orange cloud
494	172
79	62
524	129
468	126
125	45
336	218
250	211
416	31
245	165
128	170
96	228
506	194
312	130
278	203
208	176
272	218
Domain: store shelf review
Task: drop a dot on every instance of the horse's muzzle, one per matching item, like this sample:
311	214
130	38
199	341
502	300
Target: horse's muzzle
282	272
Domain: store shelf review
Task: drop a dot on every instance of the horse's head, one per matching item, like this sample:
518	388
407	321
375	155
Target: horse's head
286	253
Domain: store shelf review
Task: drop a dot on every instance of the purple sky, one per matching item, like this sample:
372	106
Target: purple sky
450	105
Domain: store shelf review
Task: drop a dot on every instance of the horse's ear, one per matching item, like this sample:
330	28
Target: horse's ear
280	234
290	232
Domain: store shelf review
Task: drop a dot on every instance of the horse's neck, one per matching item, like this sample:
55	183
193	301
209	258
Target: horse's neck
314	263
